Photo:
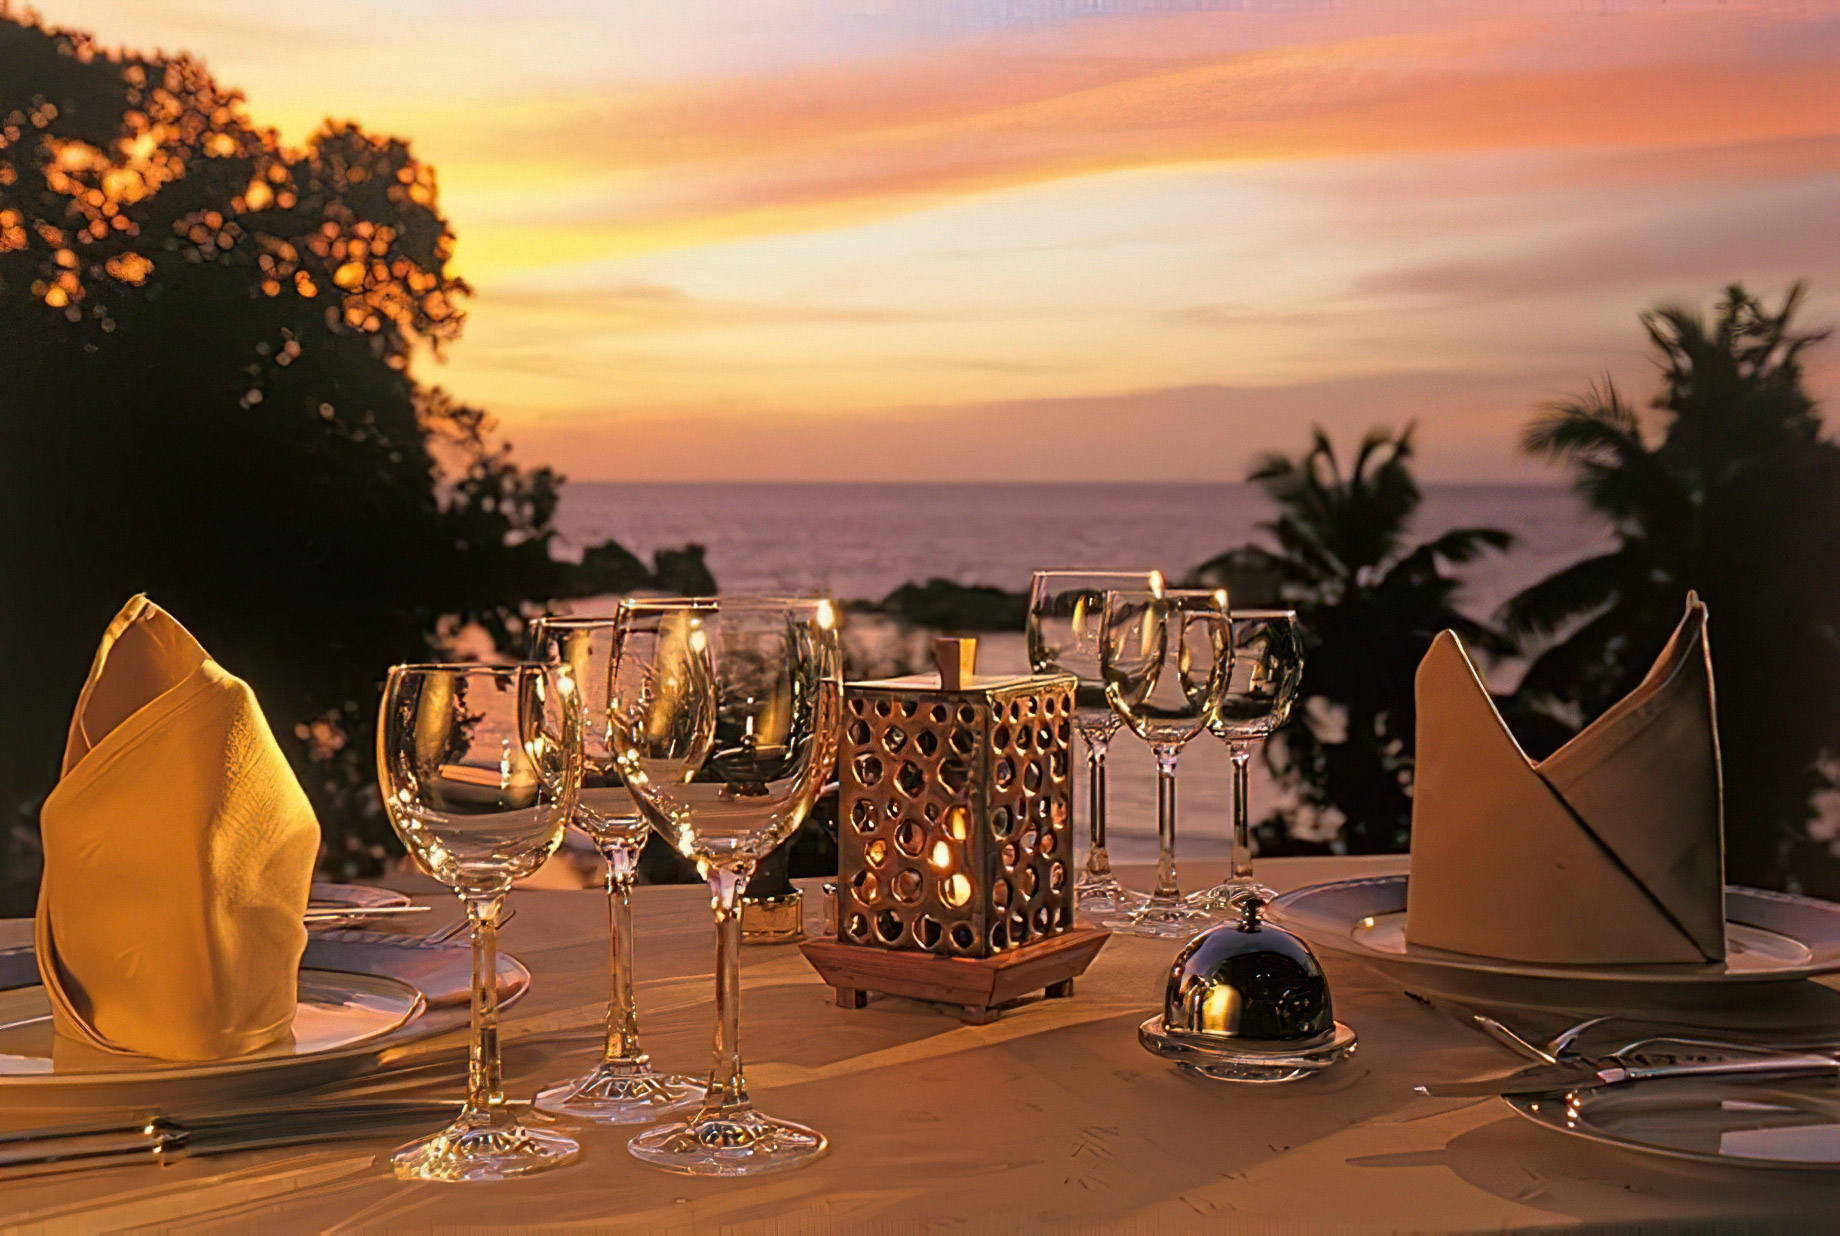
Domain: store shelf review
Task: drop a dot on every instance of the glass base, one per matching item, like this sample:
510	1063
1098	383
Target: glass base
1226	895
621	1092
483	1145
1165	917
736	1144
1105	895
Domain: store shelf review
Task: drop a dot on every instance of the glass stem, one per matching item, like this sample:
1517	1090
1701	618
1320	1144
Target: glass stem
727	1093
1242	812
622	1011
1098	863
485	1083
1166	887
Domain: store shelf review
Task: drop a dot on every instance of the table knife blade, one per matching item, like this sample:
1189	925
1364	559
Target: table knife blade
110	1143
1590	1074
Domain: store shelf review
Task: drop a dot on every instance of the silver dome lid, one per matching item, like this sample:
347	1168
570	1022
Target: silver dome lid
1249	980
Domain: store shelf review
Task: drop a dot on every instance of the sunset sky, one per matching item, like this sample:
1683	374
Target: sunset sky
1039	239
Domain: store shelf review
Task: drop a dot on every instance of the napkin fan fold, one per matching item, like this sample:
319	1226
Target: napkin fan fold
179	851
1610	851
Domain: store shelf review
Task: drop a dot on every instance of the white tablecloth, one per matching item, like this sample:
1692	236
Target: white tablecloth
1051	1118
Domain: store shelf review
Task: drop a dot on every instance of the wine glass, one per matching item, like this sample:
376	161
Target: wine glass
1065	612
719	716
1267	672
480	792
1166	655
771	889
622	1088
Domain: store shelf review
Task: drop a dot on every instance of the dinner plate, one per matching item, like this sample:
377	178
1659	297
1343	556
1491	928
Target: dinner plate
366	1001
335	1011
328	896
1773	942
1779	1124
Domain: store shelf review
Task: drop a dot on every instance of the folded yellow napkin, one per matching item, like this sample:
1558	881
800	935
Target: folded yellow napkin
1609	851
179	850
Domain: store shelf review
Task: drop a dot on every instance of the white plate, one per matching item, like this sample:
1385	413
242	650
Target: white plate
1774	941
1792	1125
366	999
328	896
336	1011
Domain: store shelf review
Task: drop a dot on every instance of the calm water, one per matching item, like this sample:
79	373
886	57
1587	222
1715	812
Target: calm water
864	541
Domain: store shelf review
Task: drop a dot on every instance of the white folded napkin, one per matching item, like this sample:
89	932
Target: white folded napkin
1609	851
179	849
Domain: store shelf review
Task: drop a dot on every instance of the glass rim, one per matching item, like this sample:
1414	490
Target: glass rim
821	611
739	599
1057	572
1180	594
666	604
574	620
468	667
1263	614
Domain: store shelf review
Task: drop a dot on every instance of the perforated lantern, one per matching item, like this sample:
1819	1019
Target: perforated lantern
953	827
955	855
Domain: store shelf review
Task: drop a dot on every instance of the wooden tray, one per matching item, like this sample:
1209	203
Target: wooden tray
978	985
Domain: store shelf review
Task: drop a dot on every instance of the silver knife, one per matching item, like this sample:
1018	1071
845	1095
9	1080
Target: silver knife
1589	1074
157	1138
341	914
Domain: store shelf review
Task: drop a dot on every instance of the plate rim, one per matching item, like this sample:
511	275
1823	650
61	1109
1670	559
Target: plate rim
1520	1104
200	1070
1284	911
374	895
433	1020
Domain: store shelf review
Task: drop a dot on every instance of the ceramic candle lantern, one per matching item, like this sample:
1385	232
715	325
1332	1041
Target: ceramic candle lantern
954	834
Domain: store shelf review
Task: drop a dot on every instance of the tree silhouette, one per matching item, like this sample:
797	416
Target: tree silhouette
1369	603
1731	491
205	340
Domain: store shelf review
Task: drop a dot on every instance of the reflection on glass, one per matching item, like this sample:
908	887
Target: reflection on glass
1267	672
1066	610
720	715
1166	654
622	1088
480	791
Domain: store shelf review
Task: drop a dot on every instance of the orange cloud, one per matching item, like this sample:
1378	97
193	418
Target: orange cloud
826	146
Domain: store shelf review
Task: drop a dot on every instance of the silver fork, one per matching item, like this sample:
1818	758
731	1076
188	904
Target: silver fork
1562	1047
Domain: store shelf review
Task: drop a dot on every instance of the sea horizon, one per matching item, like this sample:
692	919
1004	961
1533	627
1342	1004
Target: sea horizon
860	540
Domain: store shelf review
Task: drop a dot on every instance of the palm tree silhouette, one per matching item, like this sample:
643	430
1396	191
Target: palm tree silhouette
1732	491
1369	602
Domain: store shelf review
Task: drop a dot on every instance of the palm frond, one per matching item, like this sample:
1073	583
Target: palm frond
1568	595
1598	426
1467	544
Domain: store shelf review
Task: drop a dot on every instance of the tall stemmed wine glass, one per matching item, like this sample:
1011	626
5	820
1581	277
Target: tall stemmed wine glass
718	718
622	1088
1066	608
480	791
1166	655
1267	672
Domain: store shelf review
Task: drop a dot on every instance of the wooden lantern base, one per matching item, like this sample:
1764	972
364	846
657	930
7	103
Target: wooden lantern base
979	985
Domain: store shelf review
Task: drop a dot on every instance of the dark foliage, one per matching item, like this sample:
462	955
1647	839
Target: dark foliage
951	607
611	569
1732	491
204	347
1369	603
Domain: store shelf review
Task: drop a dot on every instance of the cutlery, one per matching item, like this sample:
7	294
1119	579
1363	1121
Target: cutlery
341	914
1590	1074
153	1137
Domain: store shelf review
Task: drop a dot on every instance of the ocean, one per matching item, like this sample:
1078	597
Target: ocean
862	541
